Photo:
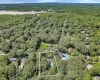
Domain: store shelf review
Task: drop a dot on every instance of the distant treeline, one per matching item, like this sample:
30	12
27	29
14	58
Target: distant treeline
58	7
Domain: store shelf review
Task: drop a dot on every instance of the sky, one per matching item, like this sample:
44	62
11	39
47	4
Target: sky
41	1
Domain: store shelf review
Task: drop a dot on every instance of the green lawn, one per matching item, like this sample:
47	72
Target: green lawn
43	46
97	64
54	45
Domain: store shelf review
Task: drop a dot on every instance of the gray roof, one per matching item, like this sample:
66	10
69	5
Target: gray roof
60	55
48	61
97	77
13	59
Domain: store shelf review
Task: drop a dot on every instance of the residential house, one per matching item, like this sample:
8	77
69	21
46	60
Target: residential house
88	57
69	50
89	66
22	63
14	60
2	54
62	55
48	61
49	64
82	31
96	77
87	46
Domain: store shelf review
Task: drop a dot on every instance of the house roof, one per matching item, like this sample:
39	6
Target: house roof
23	60
89	66
88	57
13	59
70	50
2	54
97	77
60	54
48	61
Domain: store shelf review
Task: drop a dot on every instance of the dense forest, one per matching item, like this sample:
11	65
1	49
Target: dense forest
66	28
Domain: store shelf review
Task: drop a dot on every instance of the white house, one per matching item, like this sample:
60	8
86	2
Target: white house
96	77
22	62
89	66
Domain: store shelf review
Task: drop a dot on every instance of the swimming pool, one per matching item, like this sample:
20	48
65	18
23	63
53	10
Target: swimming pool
64	57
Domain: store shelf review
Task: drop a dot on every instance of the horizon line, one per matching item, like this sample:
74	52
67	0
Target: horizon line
46	2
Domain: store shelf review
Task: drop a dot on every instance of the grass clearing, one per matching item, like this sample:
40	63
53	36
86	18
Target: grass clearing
43	46
47	45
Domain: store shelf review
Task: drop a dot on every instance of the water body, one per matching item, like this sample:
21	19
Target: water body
20	13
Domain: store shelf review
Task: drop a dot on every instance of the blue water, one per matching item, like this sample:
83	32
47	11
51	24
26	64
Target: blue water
51	65
64	56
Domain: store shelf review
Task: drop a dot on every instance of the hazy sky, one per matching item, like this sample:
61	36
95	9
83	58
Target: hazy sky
38	1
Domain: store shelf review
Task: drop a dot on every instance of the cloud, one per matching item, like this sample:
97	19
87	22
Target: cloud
41	1
71	1
46	0
89	1
66	1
